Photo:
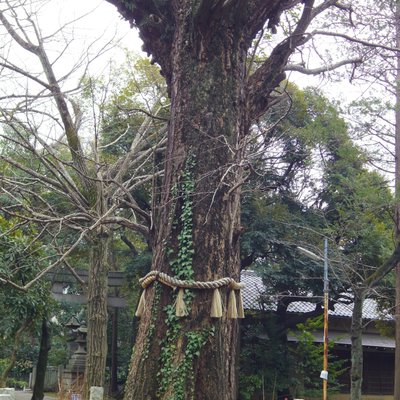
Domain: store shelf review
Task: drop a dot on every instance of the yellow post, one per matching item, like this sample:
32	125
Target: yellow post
325	362
326	308
324	372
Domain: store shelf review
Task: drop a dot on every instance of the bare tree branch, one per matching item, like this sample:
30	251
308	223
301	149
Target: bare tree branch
49	268
22	72
132	110
355	40
70	129
327	68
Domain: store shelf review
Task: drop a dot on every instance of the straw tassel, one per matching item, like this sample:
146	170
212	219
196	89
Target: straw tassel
180	307
240	305
232	309
216	304
142	304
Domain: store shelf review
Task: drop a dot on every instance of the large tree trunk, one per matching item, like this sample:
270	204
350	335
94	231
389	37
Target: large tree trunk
97	311
41	366
201	47
356	371
113	389
195	357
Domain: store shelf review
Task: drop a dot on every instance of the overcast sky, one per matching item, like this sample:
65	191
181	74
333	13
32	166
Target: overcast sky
103	18
93	20
99	17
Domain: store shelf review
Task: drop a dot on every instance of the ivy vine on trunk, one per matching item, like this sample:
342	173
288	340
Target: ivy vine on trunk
202	48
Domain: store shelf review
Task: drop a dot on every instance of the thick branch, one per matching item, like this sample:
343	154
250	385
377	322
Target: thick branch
135	208
261	11
267	77
129	244
74	273
323	6
128	224
24	44
326	68
20	71
385	268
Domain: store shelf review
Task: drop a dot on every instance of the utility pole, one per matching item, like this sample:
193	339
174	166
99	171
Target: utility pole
324	372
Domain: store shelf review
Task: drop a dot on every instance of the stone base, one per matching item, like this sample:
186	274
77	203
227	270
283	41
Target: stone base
96	393
7	394
72	379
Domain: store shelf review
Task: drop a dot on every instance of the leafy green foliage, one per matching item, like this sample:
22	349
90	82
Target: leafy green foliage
176	374
182	264
357	206
274	226
136	85
263	359
321	187
307	361
270	365
350	204
20	261
293	134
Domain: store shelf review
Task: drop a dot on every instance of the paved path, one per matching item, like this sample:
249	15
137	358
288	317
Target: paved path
27	395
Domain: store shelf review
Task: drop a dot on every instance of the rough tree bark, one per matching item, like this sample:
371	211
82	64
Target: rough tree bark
113	389
97	310
208	121
202	47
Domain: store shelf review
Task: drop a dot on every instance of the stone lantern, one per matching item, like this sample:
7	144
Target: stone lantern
74	370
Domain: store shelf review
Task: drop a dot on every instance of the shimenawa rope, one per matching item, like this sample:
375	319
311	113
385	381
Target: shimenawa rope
234	310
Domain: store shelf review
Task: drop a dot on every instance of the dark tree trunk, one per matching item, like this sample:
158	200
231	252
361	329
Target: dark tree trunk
207	123
114	354
41	366
356	372
97	311
201	47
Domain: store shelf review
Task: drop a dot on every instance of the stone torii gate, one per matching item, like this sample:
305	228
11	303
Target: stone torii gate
62	279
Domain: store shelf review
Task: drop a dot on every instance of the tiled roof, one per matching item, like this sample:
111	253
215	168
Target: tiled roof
339	337
255	290
370	310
